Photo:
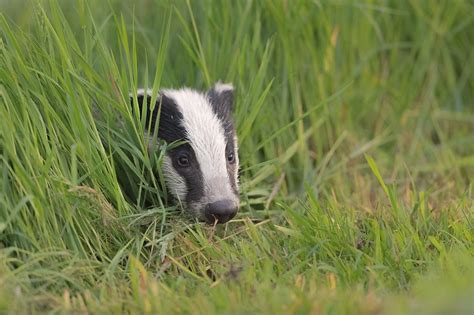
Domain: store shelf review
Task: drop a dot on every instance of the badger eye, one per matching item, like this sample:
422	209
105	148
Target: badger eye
183	160
231	158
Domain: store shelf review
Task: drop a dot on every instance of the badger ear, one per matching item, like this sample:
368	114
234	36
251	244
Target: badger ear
221	97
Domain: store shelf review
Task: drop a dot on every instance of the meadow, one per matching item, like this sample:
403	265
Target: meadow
356	133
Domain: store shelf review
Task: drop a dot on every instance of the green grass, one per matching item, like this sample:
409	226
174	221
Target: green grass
355	123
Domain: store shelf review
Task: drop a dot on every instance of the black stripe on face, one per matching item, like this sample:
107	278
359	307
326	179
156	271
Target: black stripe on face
192	173
222	103
231	167
170	129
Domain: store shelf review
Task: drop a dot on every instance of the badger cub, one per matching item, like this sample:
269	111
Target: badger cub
201	173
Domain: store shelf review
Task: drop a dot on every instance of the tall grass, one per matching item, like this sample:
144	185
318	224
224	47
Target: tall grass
355	123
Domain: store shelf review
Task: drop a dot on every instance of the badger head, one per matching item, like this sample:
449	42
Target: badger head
201	173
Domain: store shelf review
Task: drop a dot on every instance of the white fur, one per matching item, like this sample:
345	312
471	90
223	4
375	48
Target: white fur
143	92
222	87
174	181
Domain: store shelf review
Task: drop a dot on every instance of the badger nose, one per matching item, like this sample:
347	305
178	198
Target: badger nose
222	211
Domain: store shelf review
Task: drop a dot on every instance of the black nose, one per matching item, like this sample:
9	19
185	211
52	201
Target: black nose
222	211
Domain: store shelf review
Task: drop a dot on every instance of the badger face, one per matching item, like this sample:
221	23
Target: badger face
201	173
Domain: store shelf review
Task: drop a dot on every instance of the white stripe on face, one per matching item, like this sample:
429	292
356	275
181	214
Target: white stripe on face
206	137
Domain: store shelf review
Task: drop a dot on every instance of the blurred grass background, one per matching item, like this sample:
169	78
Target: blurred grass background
356	129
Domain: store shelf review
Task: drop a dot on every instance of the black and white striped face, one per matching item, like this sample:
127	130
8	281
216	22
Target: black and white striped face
202	172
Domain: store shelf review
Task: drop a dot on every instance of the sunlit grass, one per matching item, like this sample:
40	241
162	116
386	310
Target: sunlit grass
356	130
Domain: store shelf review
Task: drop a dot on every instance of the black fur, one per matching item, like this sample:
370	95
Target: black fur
170	129
191	174
222	105
230	148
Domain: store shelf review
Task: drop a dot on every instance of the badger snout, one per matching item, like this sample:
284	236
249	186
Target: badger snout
220	211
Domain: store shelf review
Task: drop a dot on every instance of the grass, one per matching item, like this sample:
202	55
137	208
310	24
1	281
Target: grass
355	123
